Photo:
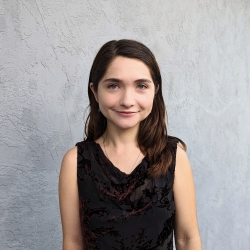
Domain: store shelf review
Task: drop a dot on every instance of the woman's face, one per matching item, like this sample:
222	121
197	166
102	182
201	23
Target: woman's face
125	93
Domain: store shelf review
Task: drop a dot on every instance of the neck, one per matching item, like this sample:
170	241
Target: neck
117	137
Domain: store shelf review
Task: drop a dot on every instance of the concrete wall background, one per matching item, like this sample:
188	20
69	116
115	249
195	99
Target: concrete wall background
47	48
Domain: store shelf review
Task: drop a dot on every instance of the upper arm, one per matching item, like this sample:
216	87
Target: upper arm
69	201
186	226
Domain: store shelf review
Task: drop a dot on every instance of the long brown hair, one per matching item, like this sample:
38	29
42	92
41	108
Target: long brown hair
152	137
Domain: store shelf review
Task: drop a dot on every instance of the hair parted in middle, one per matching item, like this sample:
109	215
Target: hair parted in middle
152	136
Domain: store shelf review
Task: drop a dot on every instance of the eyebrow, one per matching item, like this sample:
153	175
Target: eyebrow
116	80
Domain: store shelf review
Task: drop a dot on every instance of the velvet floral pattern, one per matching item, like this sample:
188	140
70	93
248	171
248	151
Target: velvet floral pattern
123	211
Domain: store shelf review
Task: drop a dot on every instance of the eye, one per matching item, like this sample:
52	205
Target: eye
112	86
142	86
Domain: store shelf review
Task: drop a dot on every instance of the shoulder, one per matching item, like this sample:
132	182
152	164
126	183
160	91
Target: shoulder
181	155
173	142
178	150
70	157
69	164
183	170
182	166
67	176
84	145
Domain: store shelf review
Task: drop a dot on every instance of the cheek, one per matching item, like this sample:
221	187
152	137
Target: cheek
106	102
151	103
148	101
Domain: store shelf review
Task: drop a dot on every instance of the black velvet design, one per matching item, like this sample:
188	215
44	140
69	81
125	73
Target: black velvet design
123	211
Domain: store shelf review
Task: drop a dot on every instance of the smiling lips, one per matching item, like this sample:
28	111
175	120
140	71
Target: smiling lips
125	113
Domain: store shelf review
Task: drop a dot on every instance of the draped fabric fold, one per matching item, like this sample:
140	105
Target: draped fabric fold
123	211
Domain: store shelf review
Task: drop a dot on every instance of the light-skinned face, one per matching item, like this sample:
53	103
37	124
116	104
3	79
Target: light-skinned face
125	93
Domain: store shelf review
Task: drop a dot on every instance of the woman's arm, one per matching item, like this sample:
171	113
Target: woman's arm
69	202
187	235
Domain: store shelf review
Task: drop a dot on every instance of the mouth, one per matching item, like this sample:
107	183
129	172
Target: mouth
126	113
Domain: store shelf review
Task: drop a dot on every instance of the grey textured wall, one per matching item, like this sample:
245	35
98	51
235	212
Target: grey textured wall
47	48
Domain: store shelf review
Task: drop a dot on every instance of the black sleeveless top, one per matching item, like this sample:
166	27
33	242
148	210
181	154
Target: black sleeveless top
123	211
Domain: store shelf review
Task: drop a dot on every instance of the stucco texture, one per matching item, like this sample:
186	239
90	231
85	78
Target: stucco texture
46	51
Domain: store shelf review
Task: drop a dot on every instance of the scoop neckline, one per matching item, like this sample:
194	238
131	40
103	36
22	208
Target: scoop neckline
116	168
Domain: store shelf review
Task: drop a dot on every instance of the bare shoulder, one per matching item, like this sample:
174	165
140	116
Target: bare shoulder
68	166
182	160
69	160
183	172
183	181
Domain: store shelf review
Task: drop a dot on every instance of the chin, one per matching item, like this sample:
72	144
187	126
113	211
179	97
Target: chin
127	123
127	126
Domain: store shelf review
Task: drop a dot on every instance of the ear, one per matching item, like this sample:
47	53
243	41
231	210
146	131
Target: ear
91	85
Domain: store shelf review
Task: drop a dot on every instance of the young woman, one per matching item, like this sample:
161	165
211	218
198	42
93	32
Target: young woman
128	185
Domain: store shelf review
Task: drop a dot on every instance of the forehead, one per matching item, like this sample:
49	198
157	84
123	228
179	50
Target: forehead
123	66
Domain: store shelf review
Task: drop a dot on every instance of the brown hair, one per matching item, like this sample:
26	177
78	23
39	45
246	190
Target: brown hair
152	137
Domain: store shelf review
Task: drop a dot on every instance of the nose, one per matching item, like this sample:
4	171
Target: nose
127	98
